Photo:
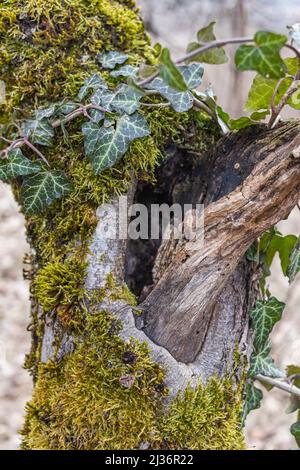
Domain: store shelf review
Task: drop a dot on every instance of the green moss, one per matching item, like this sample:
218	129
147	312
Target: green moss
205	418
50	45
107	394
59	287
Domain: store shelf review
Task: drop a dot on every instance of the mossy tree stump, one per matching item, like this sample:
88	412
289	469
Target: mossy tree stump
106	378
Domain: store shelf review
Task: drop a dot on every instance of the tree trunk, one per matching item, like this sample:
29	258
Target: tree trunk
166	371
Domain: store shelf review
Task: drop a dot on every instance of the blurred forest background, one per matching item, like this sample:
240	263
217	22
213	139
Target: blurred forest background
173	23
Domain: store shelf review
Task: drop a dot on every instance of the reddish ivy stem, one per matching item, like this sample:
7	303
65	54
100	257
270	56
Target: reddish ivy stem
20	142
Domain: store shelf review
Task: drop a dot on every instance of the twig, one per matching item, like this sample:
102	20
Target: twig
200	105
291	90
275	94
199	50
156	105
34	149
292	389
77	112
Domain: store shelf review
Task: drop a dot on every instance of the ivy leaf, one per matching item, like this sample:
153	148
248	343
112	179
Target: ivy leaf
127	99
252	253
241	123
146	71
192	75
262	363
212	56
284	246
104	98
17	165
180	101
41	189
294	264
294	34
295	431
66	108
262	90
263	56
106	145
170	73
110	59
39	131
259	115
264	316
252	401
126	71
91	83
45	113
209	99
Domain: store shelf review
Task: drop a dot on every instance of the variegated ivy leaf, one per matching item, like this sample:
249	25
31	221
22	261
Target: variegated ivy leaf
192	75
212	56
17	165
55	109
91	83
262	363
294	34
41	189
39	131
252	401
45	113
126	71
66	108
180	101
127	99
263	56
264	316
106	145
294	265
170	73
104	98
112	58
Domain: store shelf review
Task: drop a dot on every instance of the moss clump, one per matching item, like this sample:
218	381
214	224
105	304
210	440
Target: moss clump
205	418
109	395
59	286
103	396
49	46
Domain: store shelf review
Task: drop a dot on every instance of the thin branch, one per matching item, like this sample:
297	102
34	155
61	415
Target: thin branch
77	112
291	90
200	105
286	387
156	105
199	50
273	108
35	150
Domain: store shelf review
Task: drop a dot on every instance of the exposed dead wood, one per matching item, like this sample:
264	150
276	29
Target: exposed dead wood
180	308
